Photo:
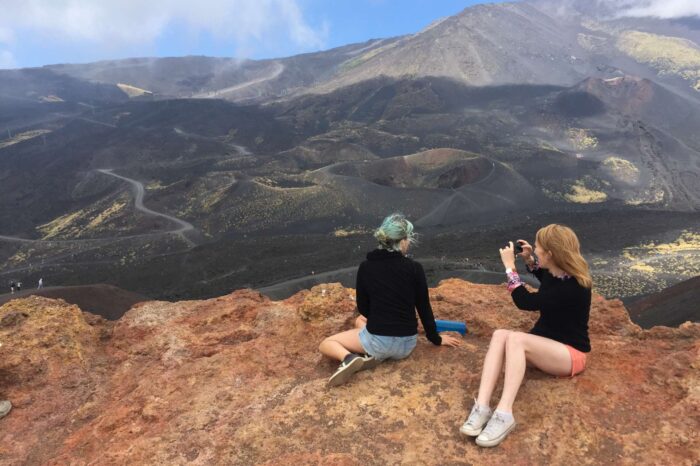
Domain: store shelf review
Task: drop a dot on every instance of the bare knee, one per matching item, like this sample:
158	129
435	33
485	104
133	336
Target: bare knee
324	343
500	336
515	340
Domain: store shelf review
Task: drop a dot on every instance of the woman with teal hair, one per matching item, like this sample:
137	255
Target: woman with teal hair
390	287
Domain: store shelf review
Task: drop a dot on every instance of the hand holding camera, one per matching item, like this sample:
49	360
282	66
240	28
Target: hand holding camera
521	248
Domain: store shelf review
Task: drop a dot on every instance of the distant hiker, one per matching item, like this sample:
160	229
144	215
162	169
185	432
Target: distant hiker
19	286
41	283
390	287
5	408
556	345
12	287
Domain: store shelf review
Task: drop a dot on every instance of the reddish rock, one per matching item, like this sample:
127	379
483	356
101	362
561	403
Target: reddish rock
238	380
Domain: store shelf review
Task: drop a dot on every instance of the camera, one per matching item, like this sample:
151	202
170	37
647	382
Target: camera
518	248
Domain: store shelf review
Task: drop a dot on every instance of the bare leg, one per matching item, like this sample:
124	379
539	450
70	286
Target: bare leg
493	364
341	344
545	354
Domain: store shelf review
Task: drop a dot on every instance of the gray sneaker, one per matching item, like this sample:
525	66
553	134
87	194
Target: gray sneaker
5	407
476	421
495	431
345	370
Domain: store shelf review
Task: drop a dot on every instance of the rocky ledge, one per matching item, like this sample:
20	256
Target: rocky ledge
238	380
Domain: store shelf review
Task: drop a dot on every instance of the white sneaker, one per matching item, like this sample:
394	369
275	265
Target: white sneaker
476	421
5	407
495	431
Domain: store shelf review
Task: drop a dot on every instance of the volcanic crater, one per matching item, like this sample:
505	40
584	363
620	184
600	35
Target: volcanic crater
436	169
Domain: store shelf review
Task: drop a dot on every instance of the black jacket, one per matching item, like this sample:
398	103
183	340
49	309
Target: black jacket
390	287
564	307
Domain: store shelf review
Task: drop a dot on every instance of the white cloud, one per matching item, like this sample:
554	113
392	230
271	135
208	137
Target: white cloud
7	60
7	36
127	23
657	8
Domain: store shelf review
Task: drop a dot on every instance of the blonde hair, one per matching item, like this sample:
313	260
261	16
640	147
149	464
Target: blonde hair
563	244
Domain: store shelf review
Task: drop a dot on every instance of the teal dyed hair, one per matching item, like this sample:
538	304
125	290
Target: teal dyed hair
394	228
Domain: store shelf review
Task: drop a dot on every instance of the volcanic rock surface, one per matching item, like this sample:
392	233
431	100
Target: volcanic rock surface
671	306
238	380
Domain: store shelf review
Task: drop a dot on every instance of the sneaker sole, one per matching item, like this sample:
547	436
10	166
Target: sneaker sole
470	432
340	377
497	440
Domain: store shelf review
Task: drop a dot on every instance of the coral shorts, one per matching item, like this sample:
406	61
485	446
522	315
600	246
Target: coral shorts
578	360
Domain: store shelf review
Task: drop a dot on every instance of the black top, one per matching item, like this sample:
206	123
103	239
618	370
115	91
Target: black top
564	307
390	287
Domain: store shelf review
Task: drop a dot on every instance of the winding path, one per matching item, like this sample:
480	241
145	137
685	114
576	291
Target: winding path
242	150
183	226
279	68
139	192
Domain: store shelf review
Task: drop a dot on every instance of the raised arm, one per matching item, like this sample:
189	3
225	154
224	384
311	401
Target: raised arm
522	298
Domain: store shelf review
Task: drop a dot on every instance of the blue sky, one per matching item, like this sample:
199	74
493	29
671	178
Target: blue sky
40	32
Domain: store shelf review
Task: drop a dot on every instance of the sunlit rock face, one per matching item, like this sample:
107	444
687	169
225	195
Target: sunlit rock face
238	380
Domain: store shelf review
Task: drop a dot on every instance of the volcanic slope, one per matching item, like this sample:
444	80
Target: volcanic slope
533	42
296	168
214	78
202	158
671	307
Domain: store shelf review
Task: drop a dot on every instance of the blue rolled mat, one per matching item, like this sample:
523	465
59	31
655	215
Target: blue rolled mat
451	326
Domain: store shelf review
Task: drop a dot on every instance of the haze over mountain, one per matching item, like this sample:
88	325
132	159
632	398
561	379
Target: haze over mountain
486	120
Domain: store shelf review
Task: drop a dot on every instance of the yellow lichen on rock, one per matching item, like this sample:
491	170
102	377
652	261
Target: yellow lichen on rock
621	169
649	196
580	194
582	139
645	268
687	241
642	267
106	214
17	138
668	55
61	225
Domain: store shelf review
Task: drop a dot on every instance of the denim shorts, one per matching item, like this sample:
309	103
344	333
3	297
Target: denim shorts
383	347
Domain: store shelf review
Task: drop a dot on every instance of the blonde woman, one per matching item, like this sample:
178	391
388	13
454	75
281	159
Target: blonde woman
558	342
390	288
